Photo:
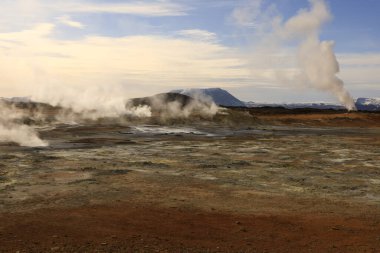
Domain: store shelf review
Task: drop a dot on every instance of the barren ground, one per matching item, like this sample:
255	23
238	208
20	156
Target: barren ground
311	184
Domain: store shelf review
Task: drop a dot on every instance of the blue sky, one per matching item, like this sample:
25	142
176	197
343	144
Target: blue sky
354	26
351	17
143	47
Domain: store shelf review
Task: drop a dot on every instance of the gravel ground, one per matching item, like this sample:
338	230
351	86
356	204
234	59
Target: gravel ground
322	183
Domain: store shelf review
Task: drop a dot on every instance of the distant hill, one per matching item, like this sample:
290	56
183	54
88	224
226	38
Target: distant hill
362	104
321	106
217	95
368	104
175	105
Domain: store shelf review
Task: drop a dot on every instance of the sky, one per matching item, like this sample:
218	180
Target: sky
66	48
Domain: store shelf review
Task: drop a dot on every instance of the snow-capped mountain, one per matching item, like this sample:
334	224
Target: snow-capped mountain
320	105
218	95
362	104
368	104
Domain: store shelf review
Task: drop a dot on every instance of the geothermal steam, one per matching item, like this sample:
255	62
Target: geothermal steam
316	59
11	130
315	63
88	102
18	120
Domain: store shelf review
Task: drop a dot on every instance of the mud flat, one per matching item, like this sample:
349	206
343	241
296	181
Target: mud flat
193	188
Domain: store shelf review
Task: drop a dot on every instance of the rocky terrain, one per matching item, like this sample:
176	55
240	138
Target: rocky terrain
242	180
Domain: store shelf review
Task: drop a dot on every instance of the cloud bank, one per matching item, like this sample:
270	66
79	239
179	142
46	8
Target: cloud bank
143	8
43	57
108	68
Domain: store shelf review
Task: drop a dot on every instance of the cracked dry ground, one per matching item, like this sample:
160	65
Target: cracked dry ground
267	189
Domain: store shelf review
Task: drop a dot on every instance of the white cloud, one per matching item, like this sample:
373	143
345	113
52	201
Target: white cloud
198	34
66	20
247	14
16	14
30	58
359	59
142	8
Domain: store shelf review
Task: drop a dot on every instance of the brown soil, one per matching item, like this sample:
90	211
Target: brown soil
255	188
342	120
314	117
138	228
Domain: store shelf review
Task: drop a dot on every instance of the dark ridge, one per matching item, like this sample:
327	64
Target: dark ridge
268	110
33	108
29	105
219	96
161	100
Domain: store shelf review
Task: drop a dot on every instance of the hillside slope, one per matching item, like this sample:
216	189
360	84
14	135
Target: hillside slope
217	95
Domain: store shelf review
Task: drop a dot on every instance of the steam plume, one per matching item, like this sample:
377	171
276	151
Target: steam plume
316	59
11	130
92	102
316	64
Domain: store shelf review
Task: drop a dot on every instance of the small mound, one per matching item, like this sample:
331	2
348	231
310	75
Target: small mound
174	105
159	101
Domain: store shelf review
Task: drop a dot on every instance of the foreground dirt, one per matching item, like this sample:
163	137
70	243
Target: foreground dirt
135	228
199	188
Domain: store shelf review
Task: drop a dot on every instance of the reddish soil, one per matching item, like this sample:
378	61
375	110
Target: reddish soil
339	119
313	117
136	228
243	218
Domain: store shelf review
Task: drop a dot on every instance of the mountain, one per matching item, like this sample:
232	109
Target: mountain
217	95
362	104
320	106
368	104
